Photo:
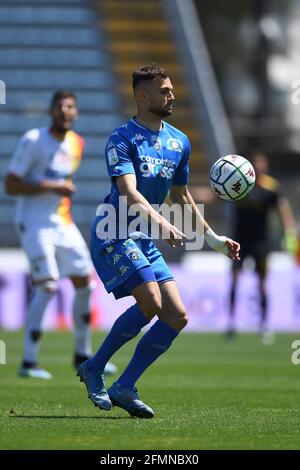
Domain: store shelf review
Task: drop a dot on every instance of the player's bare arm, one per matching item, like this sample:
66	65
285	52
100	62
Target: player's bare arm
182	196
290	241
286	214
16	185
127	187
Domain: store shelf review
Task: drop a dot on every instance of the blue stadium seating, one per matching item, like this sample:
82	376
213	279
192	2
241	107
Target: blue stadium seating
45	46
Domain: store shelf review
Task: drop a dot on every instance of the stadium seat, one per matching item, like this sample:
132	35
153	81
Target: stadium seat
45	46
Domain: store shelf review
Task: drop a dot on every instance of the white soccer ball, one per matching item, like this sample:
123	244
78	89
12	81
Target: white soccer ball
232	177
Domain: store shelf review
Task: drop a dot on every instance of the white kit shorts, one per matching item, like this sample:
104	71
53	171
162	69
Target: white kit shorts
56	251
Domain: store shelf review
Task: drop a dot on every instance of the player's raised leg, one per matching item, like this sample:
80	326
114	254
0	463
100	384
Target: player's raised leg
126	327
172	318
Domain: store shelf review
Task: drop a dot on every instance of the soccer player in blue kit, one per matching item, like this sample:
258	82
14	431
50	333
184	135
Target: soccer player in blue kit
147	158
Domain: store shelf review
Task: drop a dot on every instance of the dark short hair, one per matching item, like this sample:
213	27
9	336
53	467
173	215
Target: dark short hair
148	72
61	95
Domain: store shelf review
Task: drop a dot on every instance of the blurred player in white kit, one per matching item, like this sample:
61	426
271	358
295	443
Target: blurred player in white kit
40	175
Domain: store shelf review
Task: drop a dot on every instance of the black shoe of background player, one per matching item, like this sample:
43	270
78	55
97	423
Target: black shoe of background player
230	333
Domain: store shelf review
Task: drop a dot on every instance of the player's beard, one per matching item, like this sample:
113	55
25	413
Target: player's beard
161	112
62	126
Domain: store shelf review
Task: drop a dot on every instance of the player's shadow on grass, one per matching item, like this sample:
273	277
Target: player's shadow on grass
68	417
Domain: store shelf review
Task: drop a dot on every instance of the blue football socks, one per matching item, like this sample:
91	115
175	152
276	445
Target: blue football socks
154	343
126	327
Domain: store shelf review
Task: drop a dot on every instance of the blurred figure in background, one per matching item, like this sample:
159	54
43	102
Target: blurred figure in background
251	229
40	175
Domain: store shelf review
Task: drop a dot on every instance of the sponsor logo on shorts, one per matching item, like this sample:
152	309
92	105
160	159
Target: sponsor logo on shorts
133	254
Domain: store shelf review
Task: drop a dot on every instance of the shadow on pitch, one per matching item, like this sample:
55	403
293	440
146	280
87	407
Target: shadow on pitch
68	417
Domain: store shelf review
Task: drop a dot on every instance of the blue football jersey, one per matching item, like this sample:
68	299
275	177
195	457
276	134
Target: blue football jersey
157	159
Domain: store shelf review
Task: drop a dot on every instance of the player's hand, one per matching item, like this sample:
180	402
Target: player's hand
67	188
290	242
223	244
233	249
64	188
173	235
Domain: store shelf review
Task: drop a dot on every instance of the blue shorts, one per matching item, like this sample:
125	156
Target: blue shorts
125	264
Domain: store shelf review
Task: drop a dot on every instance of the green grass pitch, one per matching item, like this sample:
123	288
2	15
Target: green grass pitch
207	393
